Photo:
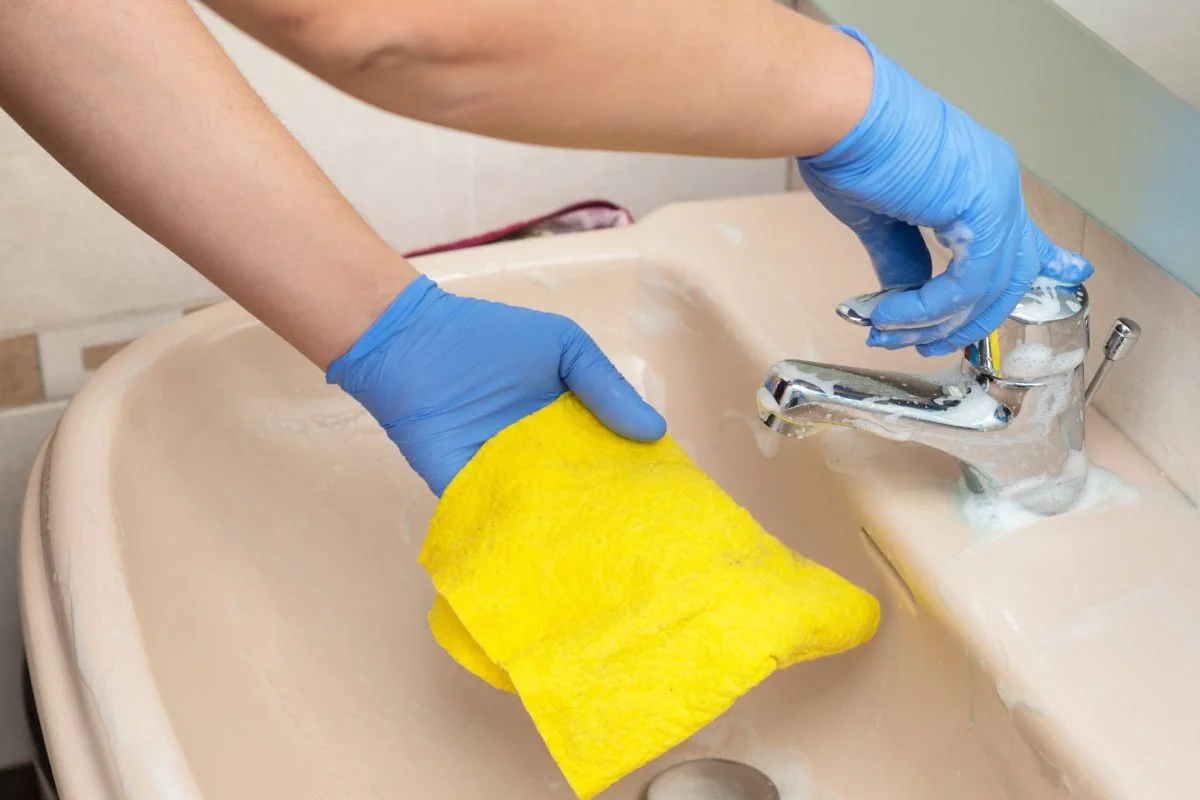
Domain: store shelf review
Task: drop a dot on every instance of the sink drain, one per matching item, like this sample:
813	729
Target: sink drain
711	779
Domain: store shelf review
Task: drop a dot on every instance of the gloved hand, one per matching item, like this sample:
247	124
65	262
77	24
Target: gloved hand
915	160
443	374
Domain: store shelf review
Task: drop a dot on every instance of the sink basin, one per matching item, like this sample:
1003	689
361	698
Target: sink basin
222	599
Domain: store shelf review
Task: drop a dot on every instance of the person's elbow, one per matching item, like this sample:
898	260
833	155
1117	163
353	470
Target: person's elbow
355	43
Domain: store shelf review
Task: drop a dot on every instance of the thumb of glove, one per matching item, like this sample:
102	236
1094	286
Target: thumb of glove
588	373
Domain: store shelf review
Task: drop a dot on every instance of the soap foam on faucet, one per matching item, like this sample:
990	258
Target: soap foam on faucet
766	440
1030	361
1006	511
1041	302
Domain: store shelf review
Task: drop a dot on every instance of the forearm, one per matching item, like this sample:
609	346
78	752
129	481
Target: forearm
141	104
741	78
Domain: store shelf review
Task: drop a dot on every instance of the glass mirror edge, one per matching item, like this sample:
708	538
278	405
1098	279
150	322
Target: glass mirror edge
1082	118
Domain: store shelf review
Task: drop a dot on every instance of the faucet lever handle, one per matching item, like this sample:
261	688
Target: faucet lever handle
857	310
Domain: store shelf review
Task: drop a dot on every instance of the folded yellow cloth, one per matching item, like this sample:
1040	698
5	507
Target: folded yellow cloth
619	591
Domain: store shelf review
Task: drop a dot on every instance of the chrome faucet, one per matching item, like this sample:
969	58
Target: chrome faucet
1011	412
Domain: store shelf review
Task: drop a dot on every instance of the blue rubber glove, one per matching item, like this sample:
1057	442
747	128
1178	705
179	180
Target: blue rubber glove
915	160
443	374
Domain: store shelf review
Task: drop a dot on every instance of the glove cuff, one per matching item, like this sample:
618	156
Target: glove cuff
395	320
893	93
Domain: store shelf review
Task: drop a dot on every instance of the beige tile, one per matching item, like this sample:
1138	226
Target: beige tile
1150	396
22	431
94	357
1060	219
20	383
64	352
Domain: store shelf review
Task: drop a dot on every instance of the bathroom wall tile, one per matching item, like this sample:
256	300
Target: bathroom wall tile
20	382
22	431
1061	220
69	355
1149	396
93	357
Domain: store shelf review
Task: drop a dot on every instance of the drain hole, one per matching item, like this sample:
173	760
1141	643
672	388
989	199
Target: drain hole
711	779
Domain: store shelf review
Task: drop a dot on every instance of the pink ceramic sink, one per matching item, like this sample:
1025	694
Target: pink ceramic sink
222	598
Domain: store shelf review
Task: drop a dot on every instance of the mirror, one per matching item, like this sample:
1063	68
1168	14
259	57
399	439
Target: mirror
1100	99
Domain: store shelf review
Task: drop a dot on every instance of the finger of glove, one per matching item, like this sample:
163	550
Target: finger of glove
1026	264
974	278
918	337
588	373
1058	263
898	252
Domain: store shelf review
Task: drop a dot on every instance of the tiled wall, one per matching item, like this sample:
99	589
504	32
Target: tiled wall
77	281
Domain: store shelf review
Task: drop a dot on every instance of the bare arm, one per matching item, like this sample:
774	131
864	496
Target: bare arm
742	78
142	105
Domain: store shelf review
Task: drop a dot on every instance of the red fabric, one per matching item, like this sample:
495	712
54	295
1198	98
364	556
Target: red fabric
620	218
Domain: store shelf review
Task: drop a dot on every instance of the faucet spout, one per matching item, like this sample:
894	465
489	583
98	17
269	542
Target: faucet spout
1008	439
799	395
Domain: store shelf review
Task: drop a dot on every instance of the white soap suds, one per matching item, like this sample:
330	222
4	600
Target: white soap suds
682	785
957	239
975	409
662	301
1010	509
766	440
1044	302
848	452
657	321
882	431
732	235
654	389
972	406
1030	361
550	280
731	736
644	378
792	373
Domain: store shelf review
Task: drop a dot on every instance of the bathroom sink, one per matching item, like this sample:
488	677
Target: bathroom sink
222	598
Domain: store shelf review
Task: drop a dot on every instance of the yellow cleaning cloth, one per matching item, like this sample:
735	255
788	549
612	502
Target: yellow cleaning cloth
623	595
